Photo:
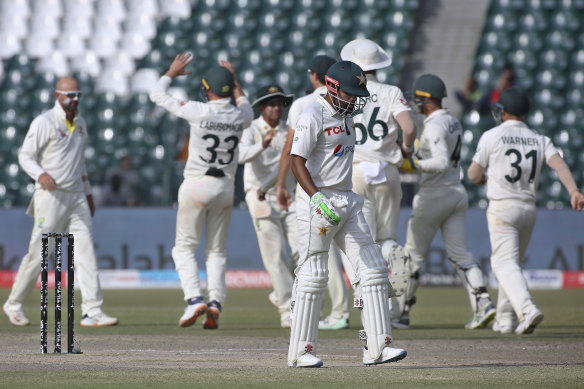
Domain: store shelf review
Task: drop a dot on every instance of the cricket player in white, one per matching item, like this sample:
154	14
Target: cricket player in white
53	155
441	203
260	148
338	292
206	195
327	210
378	154
514	155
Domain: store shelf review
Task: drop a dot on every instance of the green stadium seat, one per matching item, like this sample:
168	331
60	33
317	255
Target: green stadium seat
574	97
523	59
534	21
565	21
528	41
501	22
547	98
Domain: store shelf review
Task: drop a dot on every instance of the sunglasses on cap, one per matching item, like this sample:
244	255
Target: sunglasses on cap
71	95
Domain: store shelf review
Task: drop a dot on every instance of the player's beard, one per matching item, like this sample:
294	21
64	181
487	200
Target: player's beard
70	105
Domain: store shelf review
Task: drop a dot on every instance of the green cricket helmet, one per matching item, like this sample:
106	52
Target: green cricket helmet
429	86
514	101
349	77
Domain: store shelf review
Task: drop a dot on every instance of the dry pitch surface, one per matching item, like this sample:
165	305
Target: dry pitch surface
249	350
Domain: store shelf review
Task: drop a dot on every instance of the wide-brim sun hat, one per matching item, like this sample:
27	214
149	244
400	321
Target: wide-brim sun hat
268	92
366	53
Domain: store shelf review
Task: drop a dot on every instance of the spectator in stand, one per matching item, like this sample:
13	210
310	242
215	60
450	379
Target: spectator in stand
123	185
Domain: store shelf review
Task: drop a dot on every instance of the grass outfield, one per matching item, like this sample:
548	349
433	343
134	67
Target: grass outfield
148	349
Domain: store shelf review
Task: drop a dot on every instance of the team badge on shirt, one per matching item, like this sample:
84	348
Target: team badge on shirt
322	230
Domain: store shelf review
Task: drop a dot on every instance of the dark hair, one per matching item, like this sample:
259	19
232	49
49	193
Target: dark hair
320	77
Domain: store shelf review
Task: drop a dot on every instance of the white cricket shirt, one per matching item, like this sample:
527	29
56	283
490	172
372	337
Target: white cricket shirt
300	104
50	147
216	128
514	154
327	141
261	165
440	146
376	126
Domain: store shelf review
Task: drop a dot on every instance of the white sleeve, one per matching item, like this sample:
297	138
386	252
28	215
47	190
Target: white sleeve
37	137
243	104
481	156
549	148
305	136
189	110
248	149
399	104
439	160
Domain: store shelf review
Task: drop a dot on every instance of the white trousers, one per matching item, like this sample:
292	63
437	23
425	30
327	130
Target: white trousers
381	204
59	212
203	201
353	237
511	223
444	209
381	207
337	288
273	232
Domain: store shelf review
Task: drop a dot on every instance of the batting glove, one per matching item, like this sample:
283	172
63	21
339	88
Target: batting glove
410	165
322	207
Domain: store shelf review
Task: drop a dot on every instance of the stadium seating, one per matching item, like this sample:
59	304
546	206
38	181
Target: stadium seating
544	42
118	48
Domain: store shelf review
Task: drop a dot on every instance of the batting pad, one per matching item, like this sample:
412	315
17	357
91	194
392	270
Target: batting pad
375	314
310	286
376	319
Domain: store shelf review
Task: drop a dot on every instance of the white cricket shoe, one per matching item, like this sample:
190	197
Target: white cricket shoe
331	323
273	299
16	316
485	313
503	329
100	319
306	360
212	320
192	313
286	322
389	354
529	322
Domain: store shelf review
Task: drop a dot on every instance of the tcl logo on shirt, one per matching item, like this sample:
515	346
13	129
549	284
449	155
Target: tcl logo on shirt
334	130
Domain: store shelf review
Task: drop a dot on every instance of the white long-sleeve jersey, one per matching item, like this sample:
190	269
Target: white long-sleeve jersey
53	147
377	127
261	165
440	146
216	128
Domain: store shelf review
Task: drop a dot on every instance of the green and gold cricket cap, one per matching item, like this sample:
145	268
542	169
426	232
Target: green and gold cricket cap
429	85
321	64
219	80
272	91
514	101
